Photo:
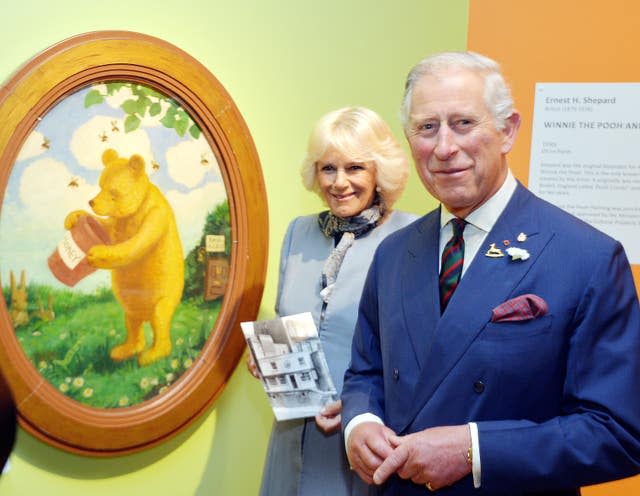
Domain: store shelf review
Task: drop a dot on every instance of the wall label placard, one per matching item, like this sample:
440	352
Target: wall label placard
585	155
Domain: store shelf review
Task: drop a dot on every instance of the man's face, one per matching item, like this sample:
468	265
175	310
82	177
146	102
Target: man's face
458	151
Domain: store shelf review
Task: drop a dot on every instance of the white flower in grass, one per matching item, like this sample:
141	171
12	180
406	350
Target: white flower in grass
78	382
187	363
88	392
64	387
123	401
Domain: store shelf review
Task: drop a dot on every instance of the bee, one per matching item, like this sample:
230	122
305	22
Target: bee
114	127
46	143
103	137
203	159
73	183
155	165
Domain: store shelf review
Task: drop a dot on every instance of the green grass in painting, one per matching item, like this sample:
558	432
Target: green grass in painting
72	350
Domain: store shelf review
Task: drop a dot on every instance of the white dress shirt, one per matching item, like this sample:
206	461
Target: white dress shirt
479	224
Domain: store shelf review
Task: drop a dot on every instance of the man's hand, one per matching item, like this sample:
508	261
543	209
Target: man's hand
437	456
328	420
368	446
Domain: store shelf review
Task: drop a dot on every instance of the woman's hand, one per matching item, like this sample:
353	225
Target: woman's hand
252	367
329	418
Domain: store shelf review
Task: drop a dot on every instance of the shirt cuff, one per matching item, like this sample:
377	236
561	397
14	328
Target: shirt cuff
475	458
357	420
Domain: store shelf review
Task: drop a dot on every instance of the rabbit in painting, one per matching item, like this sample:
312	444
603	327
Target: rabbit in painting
18	309
45	315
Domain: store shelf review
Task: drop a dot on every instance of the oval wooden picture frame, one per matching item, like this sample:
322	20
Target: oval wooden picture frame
37	87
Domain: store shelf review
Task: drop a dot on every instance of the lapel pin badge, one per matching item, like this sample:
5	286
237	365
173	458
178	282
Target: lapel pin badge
494	252
522	237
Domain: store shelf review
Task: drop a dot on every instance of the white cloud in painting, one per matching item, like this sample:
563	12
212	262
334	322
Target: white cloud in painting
124	94
189	161
92	138
191	210
35	145
47	186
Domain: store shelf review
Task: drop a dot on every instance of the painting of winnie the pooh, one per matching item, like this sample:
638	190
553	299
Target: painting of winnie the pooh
113	217
145	255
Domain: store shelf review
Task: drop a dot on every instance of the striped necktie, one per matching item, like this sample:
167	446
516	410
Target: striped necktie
452	260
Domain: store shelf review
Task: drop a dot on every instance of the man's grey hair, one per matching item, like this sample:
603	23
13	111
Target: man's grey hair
497	94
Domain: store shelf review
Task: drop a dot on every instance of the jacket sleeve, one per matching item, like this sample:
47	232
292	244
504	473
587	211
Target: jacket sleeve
597	436
284	256
363	390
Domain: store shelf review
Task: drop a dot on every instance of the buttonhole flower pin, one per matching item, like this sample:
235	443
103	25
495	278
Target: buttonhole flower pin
517	253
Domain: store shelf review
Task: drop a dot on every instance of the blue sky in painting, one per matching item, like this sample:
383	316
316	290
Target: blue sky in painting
58	168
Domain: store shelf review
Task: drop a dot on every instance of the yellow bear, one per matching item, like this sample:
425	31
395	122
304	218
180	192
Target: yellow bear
145	257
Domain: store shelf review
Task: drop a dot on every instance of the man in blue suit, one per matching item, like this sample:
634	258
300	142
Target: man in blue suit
497	348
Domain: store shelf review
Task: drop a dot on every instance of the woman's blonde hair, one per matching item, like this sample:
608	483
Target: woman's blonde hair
361	135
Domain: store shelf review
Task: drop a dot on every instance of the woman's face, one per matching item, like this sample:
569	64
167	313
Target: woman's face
348	187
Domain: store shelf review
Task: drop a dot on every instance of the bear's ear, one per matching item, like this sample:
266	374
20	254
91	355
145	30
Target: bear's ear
109	155
136	162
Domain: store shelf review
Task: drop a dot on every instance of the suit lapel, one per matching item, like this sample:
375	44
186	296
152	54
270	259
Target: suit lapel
420	295
486	283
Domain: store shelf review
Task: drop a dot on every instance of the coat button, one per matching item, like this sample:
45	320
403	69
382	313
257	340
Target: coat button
396	374
478	387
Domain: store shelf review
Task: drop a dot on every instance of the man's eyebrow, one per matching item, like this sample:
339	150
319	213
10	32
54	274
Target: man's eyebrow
422	117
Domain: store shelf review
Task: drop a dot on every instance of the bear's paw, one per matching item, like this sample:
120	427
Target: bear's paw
126	351
153	354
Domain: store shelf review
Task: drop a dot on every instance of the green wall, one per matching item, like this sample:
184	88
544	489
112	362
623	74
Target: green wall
285	63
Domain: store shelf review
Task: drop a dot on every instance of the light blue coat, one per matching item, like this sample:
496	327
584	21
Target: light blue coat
301	460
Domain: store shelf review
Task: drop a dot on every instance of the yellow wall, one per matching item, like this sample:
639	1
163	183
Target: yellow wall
285	63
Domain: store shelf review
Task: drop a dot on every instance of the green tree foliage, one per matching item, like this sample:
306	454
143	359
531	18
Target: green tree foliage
217	222
145	101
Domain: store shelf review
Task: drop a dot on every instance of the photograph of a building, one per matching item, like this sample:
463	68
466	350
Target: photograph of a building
290	359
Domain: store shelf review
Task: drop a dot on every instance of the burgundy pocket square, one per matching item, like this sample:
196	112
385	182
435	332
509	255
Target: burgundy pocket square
523	307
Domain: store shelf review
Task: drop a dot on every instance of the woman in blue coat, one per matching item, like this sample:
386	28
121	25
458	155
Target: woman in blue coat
357	167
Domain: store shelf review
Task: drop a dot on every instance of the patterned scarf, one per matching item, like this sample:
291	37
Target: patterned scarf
346	230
